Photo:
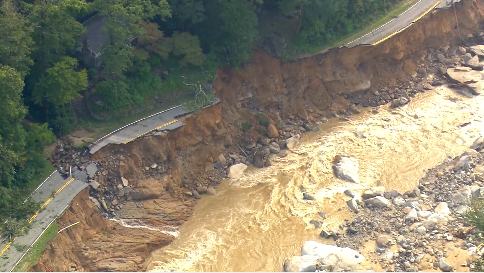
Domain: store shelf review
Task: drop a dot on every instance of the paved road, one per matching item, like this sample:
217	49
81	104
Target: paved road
163	121
399	23
53	207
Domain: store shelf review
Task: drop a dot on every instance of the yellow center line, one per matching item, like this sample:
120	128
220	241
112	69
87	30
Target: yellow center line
37	213
418	18
425	13
156	128
46	202
33	217
5	248
63	186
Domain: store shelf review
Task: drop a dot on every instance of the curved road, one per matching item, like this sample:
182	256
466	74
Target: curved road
412	14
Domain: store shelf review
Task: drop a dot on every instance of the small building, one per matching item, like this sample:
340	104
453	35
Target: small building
95	38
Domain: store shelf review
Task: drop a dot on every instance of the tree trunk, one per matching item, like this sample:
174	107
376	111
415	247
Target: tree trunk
301	14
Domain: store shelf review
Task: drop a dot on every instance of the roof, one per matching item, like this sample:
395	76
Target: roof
95	35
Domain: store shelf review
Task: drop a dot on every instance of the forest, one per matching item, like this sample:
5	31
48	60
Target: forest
117	55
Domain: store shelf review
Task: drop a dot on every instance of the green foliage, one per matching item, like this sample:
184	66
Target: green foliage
188	46
13	228
238	31
199	102
62	119
262	131
61	83
56	31
475	217
12	134
325	21
246	125
187	12
15	51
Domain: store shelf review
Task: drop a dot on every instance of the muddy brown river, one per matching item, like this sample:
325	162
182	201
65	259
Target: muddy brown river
254	223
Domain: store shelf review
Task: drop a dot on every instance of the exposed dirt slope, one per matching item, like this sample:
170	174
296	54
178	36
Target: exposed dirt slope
309	88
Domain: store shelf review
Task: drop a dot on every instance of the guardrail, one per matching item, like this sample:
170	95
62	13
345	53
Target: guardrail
127	125
38	237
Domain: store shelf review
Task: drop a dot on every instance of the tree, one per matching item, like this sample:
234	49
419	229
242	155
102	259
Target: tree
16	42
123	22
154	41
188	46
56	30
61	83
238	30
12	135
187	12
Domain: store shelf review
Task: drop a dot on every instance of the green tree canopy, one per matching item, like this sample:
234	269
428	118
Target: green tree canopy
61	82
12	134
16	42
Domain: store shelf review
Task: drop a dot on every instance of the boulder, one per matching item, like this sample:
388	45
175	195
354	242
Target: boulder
478	144
399	102
259	159
471	78
467	57
274	148
442	209
304	263
272	131
412	215
383	240
441	58
236	171
222	159
477	50
339	258
474	63
125	181
353	205
461	50
346	168
444	266
373	192
292	142
462	197
379	201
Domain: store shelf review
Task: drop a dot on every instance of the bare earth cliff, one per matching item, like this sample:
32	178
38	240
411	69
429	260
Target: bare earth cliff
165	173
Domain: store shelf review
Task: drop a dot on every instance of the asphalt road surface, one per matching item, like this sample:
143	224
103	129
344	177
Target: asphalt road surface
163	121
51	211
399	23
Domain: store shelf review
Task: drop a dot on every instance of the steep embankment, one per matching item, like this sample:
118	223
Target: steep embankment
162	170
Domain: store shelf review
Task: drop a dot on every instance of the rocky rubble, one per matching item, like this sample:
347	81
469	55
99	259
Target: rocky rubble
416	230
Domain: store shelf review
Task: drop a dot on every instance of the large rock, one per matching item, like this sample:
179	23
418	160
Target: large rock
236	171
339	258
346	168
379	202
259	159
272	131
478	50
373	192
274	148
125	181
292	142
474	63
442	209
301	264
466	74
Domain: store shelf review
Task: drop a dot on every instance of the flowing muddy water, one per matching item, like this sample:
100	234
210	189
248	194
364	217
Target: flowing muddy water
254	223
